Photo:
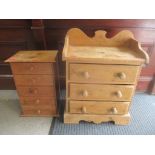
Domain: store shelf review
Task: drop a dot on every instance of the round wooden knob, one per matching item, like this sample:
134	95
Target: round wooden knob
30	90
122	75
119	94
114	110
84	110
37	101
38	111
85	93
31	68
86	75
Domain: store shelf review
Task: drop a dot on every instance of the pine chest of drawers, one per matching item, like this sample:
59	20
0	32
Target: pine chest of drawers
101	76
35	76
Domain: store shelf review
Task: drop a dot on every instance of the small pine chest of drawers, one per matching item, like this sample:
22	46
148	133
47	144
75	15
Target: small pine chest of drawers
101	76
35	76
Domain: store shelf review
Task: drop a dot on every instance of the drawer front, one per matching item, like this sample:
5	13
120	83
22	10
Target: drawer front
36	111
36	91
113	74
98	107
32	68
101	92
32	80
38	101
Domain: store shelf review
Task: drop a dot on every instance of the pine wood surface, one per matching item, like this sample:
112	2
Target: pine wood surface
35	80
101	76
36	91
37	100
101	92
98	107
32	68
113	74
117	119
38	112
33	56
122	48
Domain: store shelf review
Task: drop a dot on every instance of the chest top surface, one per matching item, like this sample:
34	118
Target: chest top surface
120	49
34	56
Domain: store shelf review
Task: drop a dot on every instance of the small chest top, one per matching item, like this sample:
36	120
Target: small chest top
34	56
120	49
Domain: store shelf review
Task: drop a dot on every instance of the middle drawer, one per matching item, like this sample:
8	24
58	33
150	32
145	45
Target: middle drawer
36	91
37	101
101	92
32	80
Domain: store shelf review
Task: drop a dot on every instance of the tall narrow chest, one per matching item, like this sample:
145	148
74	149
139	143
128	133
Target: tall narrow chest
35	76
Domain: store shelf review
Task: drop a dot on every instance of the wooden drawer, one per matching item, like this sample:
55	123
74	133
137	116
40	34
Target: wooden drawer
113	74
36	91
98	107
37	101
101	92
32	80
38	111
32	68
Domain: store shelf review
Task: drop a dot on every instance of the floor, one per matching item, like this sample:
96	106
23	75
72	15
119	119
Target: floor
142	121
12	124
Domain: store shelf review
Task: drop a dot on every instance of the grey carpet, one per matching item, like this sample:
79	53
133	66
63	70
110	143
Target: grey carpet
12	124
142	123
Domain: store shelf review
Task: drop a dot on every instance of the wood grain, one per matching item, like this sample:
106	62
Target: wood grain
122	48
100	92
32	68
36	91
113	74
76	118
101	76
33	80
29	111
34	56
35	101
98	107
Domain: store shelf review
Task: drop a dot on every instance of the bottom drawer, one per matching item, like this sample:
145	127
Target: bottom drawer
38	111
98	107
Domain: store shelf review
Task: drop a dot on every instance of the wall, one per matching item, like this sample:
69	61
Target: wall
49	34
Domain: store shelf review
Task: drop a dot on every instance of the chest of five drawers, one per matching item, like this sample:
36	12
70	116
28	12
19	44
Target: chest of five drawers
35	82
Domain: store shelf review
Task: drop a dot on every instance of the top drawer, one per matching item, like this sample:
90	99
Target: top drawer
94	73
32	68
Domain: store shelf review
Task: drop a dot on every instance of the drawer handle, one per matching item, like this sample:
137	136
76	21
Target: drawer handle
85	93
38	111
31	91
119	94
37	101
114	111
86	75
84	110
122	75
